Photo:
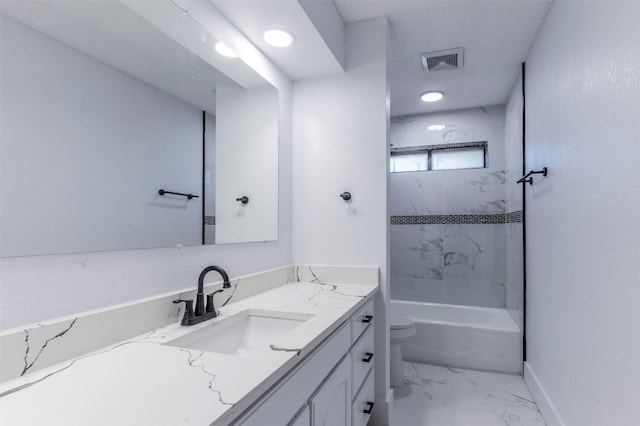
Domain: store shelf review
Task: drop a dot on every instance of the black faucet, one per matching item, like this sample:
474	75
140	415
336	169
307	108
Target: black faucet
201	313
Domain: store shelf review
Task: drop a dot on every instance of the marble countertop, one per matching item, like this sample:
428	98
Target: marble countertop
141	381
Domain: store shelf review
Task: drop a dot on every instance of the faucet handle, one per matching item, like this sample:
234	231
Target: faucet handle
188	310
210	306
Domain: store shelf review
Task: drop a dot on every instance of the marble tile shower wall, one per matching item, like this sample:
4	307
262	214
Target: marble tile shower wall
443	260
457	263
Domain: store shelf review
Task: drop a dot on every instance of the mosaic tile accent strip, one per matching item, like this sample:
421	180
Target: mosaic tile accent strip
209	220
515	217
449	219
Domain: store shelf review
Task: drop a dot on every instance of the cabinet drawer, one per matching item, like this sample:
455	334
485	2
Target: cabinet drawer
361	320
361	359
363	402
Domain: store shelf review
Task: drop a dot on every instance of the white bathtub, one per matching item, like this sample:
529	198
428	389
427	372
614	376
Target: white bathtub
462	336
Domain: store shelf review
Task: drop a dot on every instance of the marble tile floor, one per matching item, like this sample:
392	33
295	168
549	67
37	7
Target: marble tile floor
444	396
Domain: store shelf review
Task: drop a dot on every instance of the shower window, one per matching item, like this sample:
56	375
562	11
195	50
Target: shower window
455	156
411	162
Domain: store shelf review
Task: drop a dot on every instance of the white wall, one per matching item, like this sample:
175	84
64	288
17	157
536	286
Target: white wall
85	149
340	133
36	288
583	227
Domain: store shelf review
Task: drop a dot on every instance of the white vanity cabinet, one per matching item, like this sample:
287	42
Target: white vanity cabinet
281	404
333	386
331	405
362	374
363	402
303	418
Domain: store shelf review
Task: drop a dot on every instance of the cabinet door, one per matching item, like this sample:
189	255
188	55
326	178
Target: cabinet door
303	418
331	405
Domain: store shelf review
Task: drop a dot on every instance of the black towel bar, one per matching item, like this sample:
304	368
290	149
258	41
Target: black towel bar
189	196
526	178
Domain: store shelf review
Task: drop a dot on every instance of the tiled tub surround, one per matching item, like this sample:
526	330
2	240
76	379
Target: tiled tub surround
460	251
179	382
447	192
29	348
460	264
448	235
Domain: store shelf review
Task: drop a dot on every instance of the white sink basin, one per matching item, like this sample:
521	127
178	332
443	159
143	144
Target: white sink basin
241	334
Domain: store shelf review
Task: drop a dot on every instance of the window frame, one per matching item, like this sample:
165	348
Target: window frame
429	149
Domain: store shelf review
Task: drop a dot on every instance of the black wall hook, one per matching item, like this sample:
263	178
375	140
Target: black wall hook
345	196
244	199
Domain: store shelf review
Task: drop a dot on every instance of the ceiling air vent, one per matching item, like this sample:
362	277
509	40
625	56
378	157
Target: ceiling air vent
443	60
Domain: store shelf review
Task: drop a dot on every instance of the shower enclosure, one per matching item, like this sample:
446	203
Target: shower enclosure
457	229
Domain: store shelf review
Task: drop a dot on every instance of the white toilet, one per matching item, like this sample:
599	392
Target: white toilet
401	329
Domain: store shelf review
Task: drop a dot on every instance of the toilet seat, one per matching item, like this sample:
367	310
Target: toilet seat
399	322
400	328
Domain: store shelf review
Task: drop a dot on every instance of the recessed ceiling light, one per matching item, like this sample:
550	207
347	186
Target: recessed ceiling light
433	96
436	127
224	50
278	38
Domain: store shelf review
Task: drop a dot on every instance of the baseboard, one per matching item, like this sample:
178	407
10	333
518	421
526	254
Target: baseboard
381	415
541	398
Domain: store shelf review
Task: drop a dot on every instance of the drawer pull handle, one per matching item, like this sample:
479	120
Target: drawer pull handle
367	319
369	408
368	357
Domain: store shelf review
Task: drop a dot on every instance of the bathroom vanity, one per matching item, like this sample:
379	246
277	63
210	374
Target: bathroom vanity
306	359
333	386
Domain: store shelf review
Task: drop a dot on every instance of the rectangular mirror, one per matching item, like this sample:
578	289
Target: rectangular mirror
103	105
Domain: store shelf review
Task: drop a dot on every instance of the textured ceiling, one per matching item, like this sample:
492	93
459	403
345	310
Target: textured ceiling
495	34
